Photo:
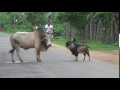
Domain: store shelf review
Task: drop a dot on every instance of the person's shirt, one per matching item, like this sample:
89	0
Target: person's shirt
40	27
48	28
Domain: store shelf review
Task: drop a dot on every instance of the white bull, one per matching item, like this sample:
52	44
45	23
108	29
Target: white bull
26	40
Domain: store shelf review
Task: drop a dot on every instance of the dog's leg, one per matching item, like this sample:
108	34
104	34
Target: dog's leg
88	54
84	56
76	58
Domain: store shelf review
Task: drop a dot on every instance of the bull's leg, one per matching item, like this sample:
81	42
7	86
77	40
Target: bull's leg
17	52
12	56
37	52
37	55
12	53
76	58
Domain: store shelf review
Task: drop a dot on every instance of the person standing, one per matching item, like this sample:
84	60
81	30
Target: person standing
49	29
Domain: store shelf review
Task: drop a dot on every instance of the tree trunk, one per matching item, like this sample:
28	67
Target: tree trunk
94	31
65	33
86	31
97	30
90	31
116	30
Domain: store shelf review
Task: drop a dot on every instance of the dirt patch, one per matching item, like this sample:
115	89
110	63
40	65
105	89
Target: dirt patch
105	56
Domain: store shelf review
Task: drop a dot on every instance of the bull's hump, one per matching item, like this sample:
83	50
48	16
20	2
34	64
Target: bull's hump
22	33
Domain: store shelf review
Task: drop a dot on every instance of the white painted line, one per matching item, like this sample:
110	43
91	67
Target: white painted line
18	62
14	62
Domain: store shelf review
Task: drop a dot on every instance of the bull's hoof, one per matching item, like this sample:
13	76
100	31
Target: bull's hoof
13	61
21	61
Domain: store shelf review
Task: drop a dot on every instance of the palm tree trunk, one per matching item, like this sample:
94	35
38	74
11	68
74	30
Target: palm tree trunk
90	31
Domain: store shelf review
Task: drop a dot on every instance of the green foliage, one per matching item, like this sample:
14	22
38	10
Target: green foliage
61	21
58	28
25	20
36	17
74	19
4	18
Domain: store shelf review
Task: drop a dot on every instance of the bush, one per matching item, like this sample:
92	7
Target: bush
20	28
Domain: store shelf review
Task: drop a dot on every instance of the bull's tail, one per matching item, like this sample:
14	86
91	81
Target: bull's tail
11	51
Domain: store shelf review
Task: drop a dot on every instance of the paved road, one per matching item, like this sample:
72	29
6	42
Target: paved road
56	63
